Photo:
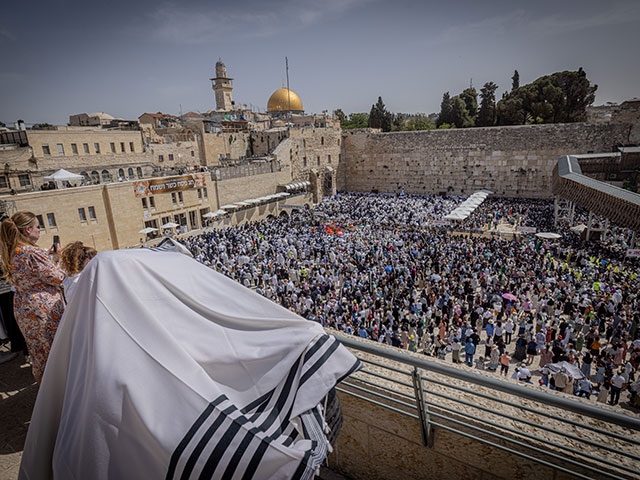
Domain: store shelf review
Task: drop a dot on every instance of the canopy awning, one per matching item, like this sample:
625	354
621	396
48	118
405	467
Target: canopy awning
63	175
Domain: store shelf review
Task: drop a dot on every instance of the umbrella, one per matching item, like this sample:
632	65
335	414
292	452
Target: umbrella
148	230
210	215
509	296
170	225
579	228
548	235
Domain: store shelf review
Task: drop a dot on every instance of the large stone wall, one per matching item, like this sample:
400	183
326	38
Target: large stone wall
510	161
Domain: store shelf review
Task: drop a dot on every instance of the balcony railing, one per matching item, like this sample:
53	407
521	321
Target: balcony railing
520	420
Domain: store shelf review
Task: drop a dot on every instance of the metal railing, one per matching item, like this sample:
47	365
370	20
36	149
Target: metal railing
452	399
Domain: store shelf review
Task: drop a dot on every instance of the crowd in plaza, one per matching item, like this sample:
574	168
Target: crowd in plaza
562	313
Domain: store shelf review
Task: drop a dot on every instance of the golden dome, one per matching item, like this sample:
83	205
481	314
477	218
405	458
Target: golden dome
283	100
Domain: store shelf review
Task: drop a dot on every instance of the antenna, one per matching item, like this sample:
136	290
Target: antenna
471	83
286	61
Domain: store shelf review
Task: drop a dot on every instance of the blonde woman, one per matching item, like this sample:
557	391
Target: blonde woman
38	303
73	258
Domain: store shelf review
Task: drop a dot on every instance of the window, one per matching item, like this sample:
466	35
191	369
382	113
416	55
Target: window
161	158
321	140
86	147
60	149
92	213
95	177
86	177
193	153
3	181
329	158
139	172
205	192
121	147
51	218
40	222
45	149
113	147
130	172
131	147
120	174
304	143
165	220
74	149
304	161
82	215
144	203
171	157
180	199
106	176
318	159
173	198
96	146
25	181
199	194
152	203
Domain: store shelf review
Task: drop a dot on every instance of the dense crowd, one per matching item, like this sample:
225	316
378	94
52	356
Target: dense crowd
373	266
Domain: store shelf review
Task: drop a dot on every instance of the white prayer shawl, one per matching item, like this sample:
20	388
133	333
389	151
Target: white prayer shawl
162	368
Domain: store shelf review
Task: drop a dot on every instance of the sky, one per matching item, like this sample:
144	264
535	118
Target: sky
63	57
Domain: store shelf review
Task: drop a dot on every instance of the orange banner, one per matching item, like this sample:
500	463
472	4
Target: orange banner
168	184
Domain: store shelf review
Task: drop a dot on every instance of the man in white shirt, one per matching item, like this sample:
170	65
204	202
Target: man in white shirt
617	384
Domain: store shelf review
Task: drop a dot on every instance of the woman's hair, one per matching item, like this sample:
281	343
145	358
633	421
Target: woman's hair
74	256
12	235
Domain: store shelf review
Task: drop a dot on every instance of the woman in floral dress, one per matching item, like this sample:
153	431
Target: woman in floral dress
38	302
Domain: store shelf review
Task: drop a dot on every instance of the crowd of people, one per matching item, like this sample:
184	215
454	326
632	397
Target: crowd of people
373	266
384	267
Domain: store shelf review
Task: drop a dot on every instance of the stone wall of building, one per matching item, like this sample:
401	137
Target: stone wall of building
510	161
243	188
167	156
214	146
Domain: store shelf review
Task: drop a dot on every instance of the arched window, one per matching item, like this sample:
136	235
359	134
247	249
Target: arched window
106	176
130	172
95	177
139	172
121	173
87	179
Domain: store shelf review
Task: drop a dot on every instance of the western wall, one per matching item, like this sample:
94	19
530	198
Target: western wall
514	161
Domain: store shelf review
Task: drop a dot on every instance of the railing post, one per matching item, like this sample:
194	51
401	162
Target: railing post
423	410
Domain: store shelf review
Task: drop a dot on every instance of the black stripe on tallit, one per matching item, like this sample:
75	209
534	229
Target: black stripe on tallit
302	468
316	346
356	366
321	361
258	402
175	457
264	443
239	453
195	455
223	444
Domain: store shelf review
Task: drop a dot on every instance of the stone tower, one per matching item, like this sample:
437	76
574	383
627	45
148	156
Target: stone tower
222	86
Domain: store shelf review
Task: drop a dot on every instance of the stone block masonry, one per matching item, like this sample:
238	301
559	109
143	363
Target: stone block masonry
514	161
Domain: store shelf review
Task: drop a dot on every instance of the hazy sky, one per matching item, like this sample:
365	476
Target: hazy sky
62	57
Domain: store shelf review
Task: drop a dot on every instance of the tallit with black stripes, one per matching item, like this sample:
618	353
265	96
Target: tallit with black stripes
164	369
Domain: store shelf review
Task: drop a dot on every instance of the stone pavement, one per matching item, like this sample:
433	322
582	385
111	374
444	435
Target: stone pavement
17	397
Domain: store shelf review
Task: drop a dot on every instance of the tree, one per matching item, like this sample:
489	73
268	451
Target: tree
379	117
419	122
470	98
556	98
356	120
459	114
487	112
445	110
515	80
339	114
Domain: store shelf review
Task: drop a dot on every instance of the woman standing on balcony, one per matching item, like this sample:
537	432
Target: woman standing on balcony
38	301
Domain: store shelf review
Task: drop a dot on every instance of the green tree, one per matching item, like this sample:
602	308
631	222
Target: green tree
356	120
515	80
339	114
487	111
419	122
459	114
560	97
470	98
445	110
379	117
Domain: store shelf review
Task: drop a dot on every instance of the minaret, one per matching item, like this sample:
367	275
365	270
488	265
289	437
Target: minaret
222	86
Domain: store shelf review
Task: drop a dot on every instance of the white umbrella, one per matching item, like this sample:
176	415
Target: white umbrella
210	215
579	228
229	207
63	175
170	225
548	235
148	230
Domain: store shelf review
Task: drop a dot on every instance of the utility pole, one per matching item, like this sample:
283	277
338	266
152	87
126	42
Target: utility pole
286	61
